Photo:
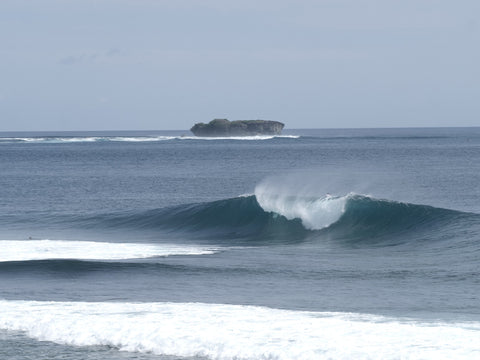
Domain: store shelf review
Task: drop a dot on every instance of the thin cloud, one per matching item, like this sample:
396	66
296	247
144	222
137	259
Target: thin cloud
90	57
70	60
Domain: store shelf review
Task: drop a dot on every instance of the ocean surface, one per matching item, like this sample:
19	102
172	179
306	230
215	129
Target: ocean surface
317	244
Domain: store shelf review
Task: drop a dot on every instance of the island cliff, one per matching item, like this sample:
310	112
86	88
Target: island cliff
223	127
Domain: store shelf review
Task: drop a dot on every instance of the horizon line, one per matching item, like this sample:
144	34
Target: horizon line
285	129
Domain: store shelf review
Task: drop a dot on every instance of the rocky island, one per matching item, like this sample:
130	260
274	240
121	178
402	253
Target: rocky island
224	127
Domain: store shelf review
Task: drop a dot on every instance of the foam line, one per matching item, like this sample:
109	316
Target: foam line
227	332
72	139
25	250
254	137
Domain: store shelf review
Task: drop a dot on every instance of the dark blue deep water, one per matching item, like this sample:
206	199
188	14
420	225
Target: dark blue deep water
318	244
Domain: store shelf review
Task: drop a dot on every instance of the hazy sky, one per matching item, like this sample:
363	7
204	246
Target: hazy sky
155	64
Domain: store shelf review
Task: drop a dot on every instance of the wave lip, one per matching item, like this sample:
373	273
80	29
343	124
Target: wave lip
26	250
227	332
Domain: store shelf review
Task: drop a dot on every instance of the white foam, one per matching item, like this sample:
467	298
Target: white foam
141	138
315	212
52	139
137	138
74	139
88	139
227	332
255	137
25	250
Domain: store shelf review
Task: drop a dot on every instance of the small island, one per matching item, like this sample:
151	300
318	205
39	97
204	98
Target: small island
224	127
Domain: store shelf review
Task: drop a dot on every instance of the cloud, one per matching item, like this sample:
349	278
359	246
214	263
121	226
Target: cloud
113	52
70	60
90	56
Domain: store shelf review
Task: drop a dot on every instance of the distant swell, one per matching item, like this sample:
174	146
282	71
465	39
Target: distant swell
90	139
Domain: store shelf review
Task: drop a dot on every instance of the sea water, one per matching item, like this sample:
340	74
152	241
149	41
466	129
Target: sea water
317	244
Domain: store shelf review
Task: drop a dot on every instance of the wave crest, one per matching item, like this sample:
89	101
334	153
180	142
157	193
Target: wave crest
267	216
274	216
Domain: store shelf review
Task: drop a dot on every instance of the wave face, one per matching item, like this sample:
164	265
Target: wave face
369	217
227	332
235	218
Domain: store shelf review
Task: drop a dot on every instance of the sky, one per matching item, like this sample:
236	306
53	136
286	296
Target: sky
165	65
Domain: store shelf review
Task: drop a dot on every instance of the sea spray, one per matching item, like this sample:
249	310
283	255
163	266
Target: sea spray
315	212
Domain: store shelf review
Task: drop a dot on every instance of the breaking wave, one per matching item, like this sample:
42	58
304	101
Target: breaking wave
268	215
265	217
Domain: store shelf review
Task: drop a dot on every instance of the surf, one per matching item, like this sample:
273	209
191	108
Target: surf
227	332
29	250
268	218
151	138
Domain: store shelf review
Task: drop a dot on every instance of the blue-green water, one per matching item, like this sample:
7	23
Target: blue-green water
316	244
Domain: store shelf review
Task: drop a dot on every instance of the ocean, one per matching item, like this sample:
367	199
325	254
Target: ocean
316	244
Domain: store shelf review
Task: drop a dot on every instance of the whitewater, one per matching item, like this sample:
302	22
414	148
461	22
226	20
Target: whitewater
345	244
150	138
225	331
26	250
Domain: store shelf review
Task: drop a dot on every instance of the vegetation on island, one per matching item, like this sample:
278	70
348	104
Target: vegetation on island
224	127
